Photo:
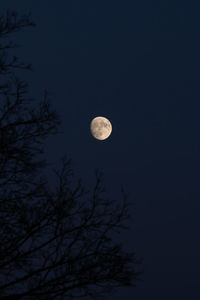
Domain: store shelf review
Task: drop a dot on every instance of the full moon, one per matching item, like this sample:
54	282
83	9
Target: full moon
100	128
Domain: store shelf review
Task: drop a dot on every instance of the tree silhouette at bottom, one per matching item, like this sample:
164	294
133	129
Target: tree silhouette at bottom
56	241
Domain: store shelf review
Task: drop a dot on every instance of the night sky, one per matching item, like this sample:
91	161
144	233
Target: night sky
138	64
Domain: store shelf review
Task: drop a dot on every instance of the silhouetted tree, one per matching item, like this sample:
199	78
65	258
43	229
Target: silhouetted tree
56	242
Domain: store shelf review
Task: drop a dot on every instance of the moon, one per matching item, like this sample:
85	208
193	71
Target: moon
100	128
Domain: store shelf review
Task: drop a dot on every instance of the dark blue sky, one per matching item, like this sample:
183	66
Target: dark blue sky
137	63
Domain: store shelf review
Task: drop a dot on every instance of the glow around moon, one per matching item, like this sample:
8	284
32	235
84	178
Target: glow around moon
100	128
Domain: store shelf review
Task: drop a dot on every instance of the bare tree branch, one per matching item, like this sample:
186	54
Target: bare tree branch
56	239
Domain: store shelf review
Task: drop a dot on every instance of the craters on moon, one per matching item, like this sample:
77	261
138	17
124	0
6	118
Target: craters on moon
100	128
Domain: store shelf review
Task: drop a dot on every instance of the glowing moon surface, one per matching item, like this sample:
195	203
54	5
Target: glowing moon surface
100	128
